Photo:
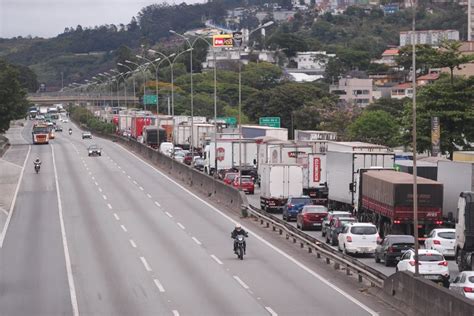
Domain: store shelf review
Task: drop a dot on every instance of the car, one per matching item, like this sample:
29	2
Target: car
294	205
229	177
358	238
335	228
464	284
179	156
329	217
94	150
64	120
165	148
246	184
443	240
199	163
431	265
188	158
86	135
58	128
392	247
311	216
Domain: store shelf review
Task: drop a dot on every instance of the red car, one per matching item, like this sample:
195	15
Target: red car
247	184
230	177
311	216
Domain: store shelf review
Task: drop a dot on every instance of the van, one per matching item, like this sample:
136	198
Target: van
166	148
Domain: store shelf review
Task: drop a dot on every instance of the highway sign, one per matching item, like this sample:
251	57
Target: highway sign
150	99
269	121
230	120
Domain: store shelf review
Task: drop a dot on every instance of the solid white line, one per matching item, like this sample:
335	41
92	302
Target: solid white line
72	289
116	216
104	196
109	206
145	264
141	188
157	204
196	240
175	312
124	228
276	249
169	215
158	285
181	226
271	311
12	206
216	259
242	283
100	189
134	245
149	195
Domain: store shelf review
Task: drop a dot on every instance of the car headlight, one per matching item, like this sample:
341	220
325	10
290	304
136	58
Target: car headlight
90	151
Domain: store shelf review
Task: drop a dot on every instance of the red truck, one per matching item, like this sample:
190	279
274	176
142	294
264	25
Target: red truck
138	122
386	199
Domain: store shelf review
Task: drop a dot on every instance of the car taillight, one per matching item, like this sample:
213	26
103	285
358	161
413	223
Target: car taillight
439	222
443	263
348	238
412	263
436	242
468	289
397	221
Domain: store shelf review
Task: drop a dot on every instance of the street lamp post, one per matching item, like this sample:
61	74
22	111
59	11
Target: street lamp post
144	77
156	77
133	79
124	85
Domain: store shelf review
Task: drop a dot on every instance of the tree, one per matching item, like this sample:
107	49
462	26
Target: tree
426	57
450	56
393	107
13	103
376	127
261	75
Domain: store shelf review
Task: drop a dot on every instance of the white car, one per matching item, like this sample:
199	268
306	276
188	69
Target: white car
165	148
64	120
179	156
358	238
464	284
442	240
431	265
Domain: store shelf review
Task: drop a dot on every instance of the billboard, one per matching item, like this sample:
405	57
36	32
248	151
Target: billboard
435	136
222	40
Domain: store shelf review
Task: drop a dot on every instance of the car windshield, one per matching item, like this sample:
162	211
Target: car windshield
403	240
471	279
300	200
347	220
199	161
179	154
363	230
447	235
231	176
430	257
315	209
93	147
246	180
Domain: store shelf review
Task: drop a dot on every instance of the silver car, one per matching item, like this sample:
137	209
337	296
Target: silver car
463	284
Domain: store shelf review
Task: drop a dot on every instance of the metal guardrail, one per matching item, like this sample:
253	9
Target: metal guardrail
322	250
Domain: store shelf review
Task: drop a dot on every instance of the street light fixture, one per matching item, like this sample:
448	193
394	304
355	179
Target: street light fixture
167	58
124	85
156	78
133	79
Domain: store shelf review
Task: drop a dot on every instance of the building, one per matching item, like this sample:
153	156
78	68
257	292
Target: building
388	57
427	79
402	90
429	37
470	20
231	55
314	61
355	91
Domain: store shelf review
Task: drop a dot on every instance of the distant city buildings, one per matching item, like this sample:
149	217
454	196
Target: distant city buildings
355	91
314	61
428	37
388	57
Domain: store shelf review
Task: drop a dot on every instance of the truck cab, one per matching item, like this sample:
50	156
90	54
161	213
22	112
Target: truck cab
465	232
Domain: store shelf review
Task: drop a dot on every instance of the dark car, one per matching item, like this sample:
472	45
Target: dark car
58	128
294	205
335	228
188	158
392	247
94	150
311	216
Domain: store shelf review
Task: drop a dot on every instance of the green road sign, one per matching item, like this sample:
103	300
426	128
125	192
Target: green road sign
230	120
270	121
150	99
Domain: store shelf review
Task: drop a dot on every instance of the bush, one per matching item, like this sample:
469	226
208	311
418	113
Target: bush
85	117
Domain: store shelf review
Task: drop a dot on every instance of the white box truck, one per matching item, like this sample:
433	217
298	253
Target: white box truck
203	133
182	135
249	153
308	135
224	156
356	146
254	131
315	178
343	175
280	181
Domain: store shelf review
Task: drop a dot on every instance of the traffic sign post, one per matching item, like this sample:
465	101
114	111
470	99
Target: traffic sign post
270	121
150	99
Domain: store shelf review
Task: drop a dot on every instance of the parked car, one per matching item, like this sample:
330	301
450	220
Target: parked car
229	177
86	135
464	284
358	238
199	164
311	216
246	184
431	265
294	205
392	247
443	240
94	150
335	228
331	215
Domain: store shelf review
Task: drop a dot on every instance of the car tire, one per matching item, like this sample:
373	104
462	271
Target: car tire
387	262
377	259
396	269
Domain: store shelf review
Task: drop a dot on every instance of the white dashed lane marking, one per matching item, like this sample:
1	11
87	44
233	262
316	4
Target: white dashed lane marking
149	195
216	259
157	204
181	226
109	206
271	311
242	283
105	197
168	214
116	216
196	241
158	285
134	245
145	264
124	228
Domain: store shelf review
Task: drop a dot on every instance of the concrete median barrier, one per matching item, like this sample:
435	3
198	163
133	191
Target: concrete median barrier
418	296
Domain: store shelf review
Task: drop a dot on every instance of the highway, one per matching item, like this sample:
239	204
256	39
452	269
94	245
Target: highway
111	235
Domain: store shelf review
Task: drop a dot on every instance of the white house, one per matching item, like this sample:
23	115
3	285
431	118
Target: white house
315	61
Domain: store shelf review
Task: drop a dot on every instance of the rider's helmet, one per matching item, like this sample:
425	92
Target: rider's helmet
238	227
37	160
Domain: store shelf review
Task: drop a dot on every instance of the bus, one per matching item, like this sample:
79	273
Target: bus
53	113
40	133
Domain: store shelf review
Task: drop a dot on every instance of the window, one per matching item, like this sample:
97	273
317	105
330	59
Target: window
447	235
363	230
463	278
430	257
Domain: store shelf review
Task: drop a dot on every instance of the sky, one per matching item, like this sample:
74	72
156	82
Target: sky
48	18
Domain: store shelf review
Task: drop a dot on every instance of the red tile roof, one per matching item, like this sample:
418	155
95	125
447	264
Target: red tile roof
405	85
431	76
391	51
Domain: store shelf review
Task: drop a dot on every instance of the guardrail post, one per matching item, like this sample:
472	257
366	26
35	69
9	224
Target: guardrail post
302	245
287	236
268	224
318	255
294	240
310	250
328	261
336	266
360	278
274	228
261	221
281	231
348	271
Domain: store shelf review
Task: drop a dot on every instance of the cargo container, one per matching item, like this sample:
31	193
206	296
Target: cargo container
466	156
424	169
254	131
153	136
356	146
202	135
182	135
456	177
319	146
307	135
386	199
249	153
315	178
138	122
280	181
228	154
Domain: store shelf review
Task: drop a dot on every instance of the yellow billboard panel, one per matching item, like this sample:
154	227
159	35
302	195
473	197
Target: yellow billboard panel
223	40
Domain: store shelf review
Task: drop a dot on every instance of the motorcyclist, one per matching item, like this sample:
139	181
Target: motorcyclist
238	230
70	131
37	161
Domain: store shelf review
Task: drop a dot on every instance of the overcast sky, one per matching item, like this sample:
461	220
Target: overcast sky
48	18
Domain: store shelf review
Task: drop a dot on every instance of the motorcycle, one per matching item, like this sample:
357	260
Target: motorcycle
70	132
240	246
37	167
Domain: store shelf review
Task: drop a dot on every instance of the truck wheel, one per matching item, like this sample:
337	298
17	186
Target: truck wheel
377	259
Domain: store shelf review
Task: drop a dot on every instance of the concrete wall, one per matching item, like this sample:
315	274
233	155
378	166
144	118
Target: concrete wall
418	296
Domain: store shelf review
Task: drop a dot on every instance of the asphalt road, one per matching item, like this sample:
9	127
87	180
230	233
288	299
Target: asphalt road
111	235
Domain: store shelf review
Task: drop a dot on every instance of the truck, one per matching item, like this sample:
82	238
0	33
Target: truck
343	175
254	131
202	135
424	169
182	135
308	135
466	156
464	249
228	154
278	182
138	122
356	146
153	136
386	200
40	133
315	178
457	177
